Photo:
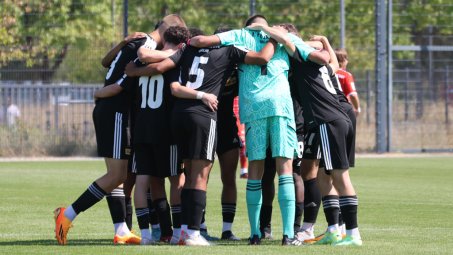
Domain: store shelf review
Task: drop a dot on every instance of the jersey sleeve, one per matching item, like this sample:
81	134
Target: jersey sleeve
237	53
232	37
350	85
149	43
178	55
302	47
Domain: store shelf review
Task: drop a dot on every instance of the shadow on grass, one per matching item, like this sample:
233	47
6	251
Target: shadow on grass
53	242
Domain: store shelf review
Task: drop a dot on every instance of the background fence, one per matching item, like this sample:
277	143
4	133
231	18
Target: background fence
50	56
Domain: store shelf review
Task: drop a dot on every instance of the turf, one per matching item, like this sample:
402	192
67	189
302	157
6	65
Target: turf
405	208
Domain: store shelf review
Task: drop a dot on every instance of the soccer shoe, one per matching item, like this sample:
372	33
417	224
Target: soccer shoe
349	241
183	237
196	240
304	235
314	240
266	233
62	225
174	240
286	241
165	239
204	233
146	241
229	236
330	238
254	240
127	239
155	233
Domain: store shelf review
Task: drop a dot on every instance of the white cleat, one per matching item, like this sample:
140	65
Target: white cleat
146	241
303	235
197	240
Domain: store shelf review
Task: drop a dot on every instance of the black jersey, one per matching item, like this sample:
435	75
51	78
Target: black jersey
207	70
121	102
155	104
226	99
315	92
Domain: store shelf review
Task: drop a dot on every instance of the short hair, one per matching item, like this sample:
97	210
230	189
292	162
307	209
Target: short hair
172	20
195	31
176	35
290	28
251	19
342	55
222	29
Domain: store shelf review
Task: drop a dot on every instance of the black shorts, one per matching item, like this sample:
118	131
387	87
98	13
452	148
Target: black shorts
132	163
334	141
297	161
351	153
111	135
158	160
227	134
195	135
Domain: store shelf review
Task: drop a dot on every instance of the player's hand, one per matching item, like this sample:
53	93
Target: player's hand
134	36
318	38
210	100
131	69
255	26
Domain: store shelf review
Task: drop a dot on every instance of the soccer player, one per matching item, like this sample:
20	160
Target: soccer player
347	80
267	111
156	151
329	124
110	117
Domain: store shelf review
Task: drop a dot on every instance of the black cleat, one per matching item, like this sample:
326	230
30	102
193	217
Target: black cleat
254	240
291	241
229	236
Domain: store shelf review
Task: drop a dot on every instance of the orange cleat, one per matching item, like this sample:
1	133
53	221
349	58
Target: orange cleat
130	238
62	225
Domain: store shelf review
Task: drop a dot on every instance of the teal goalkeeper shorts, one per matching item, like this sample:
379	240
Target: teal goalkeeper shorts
277	132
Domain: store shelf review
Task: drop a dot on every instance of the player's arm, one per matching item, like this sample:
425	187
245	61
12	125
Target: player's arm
333	61
263	56
108	58
315	44
180	91
108	91
353	98
203	41
133	70
146	55
278	34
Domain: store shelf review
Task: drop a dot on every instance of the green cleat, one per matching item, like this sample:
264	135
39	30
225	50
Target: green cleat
349	241
330	238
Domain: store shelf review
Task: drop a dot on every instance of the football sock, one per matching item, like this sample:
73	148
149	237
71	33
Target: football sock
70	213
308	226
121	228
90	197
331	207
176	216
163	211
185	207
198	204
129	212
312	200
142	217
203	220
117	205
298	216
228	213
348	205
254	200
153	217
265	217
287	202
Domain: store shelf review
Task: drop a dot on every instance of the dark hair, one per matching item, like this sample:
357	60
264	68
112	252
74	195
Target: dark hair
222	29
251	19
290	28
176	35
195	31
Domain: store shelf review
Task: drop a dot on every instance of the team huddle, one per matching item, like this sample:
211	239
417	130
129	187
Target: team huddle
167	108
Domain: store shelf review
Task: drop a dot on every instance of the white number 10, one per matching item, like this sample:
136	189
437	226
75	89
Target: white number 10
152	91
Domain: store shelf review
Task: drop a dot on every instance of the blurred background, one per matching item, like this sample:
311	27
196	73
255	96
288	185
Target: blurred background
400	53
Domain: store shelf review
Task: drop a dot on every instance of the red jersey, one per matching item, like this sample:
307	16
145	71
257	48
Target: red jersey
347	82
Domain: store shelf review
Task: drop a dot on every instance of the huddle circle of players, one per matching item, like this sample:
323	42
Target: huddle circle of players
171	95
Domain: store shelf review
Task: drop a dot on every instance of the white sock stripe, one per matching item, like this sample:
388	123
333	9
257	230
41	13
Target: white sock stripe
325	146
97	193
349	201
330	203
211	139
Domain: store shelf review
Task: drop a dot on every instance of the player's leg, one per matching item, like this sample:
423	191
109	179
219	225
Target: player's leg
128	187
257	138
298	183
268	190
176	185
228	163
241	135
160	204
283	145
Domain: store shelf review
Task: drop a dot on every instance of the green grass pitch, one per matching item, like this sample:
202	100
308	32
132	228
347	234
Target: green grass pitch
405	207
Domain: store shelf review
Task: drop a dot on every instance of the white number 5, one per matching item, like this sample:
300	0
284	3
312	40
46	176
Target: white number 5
197	71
